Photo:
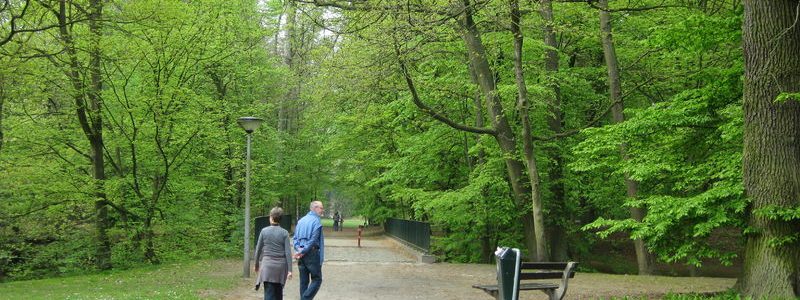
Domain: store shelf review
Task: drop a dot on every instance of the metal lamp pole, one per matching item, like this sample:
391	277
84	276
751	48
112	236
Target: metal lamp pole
249	124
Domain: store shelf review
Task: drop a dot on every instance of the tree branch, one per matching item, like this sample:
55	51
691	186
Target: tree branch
13	21
122	210
644	8
576	130
436	115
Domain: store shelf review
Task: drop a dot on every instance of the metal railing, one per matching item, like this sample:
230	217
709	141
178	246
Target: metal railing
414	232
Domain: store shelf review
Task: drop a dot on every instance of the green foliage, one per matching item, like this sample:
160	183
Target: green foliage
774	212
175	77
178	74
475	212
685	151
783	97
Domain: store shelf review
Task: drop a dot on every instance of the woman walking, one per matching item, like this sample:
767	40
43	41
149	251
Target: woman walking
273	257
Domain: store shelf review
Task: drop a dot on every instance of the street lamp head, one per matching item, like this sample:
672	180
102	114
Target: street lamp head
249	124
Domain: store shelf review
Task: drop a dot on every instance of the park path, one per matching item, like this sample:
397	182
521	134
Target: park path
383	269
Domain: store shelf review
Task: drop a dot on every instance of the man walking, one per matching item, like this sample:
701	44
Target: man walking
309	249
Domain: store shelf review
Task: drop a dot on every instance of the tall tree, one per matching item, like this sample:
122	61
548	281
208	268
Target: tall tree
89	107
555	122
523	105
643	257
286	104
771	158
501	129
2	101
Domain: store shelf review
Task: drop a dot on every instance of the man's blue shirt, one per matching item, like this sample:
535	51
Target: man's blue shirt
307	234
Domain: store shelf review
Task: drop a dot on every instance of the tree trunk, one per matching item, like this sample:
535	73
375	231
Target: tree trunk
504	134
487	238
88	108
231	192
148	237
558	239
2	100
771	157
479	116
285	104
96	138
159	182
527	140
643	257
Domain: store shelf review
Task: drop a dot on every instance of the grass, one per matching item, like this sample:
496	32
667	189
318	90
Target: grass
187	280
726	295
348	223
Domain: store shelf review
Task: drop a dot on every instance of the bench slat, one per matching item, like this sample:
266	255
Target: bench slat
538	286
544	275
522	286
544	265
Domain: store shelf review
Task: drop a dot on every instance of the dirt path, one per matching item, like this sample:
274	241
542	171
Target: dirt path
381	269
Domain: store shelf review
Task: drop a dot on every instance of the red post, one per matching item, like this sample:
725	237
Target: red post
360	228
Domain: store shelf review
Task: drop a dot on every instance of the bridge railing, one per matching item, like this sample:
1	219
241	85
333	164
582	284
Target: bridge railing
415	233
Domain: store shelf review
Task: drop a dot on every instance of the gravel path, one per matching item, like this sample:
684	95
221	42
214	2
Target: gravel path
381	269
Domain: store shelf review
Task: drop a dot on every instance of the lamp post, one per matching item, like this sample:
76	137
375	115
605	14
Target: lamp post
249	124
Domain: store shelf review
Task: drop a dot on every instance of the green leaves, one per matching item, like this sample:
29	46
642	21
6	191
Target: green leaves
774	212
175	76
783	97
697	32
685	151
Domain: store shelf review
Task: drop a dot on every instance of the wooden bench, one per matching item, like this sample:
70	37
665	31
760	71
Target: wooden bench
534	271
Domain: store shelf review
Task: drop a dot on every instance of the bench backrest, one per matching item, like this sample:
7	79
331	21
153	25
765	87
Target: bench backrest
547	270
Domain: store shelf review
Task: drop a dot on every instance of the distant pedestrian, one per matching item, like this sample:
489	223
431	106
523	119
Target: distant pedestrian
341	221
309	246
336	221
273	257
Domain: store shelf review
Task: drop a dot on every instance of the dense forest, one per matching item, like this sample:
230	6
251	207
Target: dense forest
548	125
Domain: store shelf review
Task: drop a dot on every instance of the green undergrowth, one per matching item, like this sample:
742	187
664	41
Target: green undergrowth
727	295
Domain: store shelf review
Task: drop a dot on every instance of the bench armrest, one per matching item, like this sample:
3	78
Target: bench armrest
562	289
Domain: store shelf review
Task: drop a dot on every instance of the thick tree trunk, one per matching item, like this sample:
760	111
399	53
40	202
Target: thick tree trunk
771	162
504	134
643	257
527	140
